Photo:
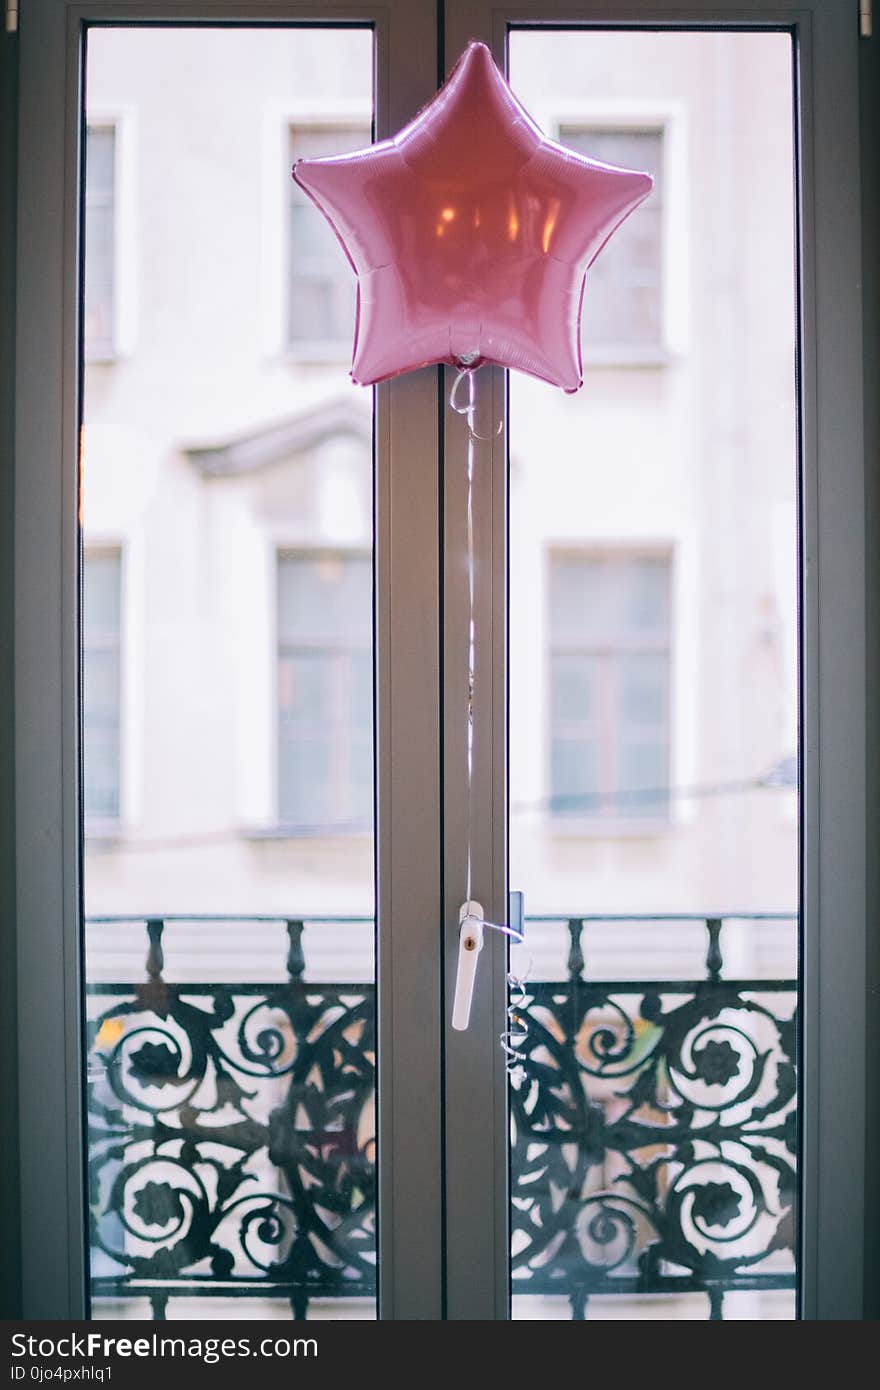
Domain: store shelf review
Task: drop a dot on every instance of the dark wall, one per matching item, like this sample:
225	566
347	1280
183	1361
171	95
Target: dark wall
9	1226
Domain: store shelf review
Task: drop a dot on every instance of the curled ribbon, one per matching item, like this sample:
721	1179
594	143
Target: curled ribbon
514	1037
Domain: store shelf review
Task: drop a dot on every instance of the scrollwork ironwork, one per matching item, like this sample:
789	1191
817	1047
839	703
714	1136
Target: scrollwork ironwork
654	1138
232	1136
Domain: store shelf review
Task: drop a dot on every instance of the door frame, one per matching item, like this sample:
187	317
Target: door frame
51	1176
833	704
39	1020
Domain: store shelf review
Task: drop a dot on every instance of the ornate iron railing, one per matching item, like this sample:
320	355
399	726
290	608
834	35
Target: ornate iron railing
232	1150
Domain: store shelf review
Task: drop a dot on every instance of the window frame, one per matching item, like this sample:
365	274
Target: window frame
287	829
278	122
840	1147
669	120
104	349
107	828
607	824
47	583
830	230
122	120
317	350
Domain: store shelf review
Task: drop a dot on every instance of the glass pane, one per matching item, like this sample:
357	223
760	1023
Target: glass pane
305	774
102	594
101	677
574	689
325	598
643	686
101	781
653	705
576	773
101	686
227	702
100	149
641	587
577	596
643	770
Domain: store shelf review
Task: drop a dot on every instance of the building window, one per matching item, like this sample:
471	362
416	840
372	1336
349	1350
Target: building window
101	610
623	297
325	691
610	685
100	287
321	308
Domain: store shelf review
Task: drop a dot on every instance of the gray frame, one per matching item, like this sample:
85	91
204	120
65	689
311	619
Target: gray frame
833	703
10	1234
869	93
47	578
41	841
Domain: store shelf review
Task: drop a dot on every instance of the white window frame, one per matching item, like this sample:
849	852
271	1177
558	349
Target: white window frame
257	744
313	550
122	120
107	829
669	120
278	121
608	826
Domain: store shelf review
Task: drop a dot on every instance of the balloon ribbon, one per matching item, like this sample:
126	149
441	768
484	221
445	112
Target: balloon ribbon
513	1037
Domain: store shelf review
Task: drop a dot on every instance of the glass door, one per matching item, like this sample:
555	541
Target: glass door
649	706
248	881
653	809
244	815
227	488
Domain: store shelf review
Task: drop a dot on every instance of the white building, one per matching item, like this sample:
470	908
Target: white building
224	445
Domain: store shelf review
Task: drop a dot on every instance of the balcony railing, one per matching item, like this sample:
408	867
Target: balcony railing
232	1135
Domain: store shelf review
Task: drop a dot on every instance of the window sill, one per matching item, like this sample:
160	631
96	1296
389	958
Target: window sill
317	354
626	356
259	833
107	835
645	828
102	834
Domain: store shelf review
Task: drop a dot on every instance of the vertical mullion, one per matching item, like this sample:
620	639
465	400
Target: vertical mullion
408	768
476	1132
46	581
476	1089
408	826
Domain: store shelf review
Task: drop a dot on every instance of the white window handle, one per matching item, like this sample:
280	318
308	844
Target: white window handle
470	944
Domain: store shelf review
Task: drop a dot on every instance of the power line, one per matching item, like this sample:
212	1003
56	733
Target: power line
781	776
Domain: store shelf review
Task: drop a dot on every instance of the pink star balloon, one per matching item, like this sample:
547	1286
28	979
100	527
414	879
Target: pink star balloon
470	234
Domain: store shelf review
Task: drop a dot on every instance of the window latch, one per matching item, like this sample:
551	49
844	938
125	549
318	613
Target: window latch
472	924
470	944
12	16
866	18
